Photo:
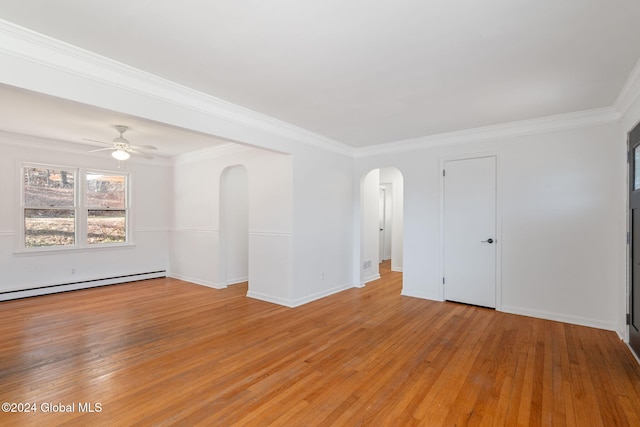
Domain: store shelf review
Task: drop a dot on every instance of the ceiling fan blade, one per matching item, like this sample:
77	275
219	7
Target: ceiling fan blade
144	147
140	153
100	149
99	142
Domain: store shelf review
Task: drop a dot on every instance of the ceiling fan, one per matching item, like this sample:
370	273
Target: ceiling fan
121	147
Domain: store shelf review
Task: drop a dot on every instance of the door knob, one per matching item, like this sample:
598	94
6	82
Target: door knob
489	240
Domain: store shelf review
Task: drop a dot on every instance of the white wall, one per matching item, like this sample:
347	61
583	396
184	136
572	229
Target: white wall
150	205
195	252
291	262
560	204
234	225
323	205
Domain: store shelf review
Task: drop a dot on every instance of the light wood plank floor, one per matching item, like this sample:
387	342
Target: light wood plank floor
166	352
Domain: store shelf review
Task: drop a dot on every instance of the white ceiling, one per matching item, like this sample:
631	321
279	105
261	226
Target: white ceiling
365	72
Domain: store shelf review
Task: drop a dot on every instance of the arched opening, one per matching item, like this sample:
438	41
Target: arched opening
381	222
234	226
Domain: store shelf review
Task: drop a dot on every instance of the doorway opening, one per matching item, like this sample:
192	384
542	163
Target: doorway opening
234	226
381	222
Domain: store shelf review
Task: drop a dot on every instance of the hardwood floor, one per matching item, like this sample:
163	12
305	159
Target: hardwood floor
166	352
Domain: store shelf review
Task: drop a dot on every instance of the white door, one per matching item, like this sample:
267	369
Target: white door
470	231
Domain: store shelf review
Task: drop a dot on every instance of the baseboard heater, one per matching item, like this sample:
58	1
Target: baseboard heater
83	284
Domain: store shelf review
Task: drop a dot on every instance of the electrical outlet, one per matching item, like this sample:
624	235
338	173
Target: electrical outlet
73	271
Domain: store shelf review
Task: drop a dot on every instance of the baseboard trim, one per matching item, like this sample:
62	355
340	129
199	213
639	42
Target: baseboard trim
559	317
369	279
635	356
196	281
236	281
421	296
270	299
319	295
83	284
293	303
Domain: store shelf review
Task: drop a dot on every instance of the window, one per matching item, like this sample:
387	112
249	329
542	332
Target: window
74	208
49	207
106	200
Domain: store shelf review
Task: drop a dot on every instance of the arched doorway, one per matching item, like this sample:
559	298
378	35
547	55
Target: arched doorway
381	222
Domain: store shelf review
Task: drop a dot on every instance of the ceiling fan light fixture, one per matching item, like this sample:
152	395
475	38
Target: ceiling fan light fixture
122	150
120	154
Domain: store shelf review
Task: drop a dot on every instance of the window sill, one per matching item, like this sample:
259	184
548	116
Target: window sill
64	250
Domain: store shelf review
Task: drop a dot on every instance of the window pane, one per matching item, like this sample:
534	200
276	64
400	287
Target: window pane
49	227
106	226
106	191
48	188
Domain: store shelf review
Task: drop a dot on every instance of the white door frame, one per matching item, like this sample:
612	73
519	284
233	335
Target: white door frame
498	221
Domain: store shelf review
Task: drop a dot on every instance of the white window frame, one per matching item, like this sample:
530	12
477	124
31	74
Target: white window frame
81	210
87	208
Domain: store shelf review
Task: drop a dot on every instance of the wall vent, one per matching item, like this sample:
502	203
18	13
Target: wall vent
366	265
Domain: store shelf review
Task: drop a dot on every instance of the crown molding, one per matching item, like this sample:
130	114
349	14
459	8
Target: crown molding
506	130
43	50
630	92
